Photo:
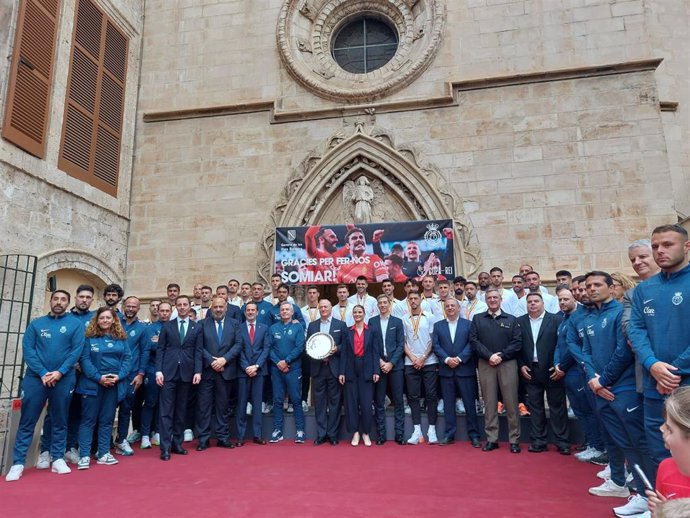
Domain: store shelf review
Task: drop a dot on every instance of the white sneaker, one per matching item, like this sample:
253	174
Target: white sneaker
416	438
305	407
408	410
605	473
84	463
439	406
43	461
145	442
431	436
636	505
134	437
387	402
123	448
610	488
571	414
15	473
249	409
266	408
156	439
107	459
188	435
72	456
588	454
460	407
290	408
60	467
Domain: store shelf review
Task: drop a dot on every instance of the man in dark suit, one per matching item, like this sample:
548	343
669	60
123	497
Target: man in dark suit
391	339
451	344
256	346
536	360
220	348
178	366
324	373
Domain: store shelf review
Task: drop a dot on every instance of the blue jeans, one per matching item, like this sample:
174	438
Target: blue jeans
34	396
292	382
125	410
581	403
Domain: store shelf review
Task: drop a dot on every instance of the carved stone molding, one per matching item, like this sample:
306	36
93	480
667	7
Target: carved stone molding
414	190
306	27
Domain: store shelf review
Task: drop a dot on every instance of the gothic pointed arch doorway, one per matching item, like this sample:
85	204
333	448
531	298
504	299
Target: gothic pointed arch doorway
405	188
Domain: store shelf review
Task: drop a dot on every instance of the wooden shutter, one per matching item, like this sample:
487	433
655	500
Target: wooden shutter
30	77
92	130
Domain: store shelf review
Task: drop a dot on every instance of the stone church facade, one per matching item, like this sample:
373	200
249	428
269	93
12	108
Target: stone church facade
552	132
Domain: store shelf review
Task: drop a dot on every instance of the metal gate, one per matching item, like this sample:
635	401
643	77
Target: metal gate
17	278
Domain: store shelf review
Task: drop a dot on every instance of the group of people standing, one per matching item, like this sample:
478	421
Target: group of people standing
445	340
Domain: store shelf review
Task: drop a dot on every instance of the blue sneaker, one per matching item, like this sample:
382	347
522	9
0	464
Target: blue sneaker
276	436
299	437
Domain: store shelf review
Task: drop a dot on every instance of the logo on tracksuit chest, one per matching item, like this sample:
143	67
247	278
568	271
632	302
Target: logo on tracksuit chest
63	329
677	299
132	333
604	323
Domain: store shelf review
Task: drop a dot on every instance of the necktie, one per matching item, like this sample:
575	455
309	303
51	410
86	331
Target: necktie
182	333
220	332
251	333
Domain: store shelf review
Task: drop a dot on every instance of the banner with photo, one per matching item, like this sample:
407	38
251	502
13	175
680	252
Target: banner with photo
334	254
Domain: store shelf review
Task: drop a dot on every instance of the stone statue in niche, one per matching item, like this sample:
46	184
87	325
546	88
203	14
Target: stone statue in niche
361	198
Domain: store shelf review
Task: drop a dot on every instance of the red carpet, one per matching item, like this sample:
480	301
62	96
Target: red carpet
304	480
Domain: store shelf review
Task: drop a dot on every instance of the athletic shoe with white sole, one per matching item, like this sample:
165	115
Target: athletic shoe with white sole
605	473
156	439
43	461
188	435
84	463
460	407
299	437
610	488
439	406
135	436
601	460
15	473
72	456
249	409
416	438
305	407
60	467
107	460
588	454
123	448
276	436
145	442
636	505
431	436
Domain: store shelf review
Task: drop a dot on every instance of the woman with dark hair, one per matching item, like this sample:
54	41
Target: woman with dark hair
105	361
359	370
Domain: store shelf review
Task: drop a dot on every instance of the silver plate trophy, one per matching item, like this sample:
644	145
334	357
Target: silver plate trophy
319	346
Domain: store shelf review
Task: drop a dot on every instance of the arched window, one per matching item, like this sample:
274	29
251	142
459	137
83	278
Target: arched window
364	45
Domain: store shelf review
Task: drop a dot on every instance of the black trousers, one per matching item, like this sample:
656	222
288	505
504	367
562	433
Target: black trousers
359	398
173	410
396	380
558	412
306	379
212	408
466	387
327	393
428	375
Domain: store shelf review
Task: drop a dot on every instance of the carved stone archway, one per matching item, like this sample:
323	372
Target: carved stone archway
414	190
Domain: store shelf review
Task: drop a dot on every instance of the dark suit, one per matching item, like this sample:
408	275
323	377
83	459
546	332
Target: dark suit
214	390
359	384
546	342
255	353
325	386
395	354
178	362
460	378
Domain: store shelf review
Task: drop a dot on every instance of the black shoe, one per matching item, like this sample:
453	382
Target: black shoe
165	454
489	446
515	448
475	443
400	440
179	450
320	440
259	440
601	460
224	444
447	441
380	442
537	448
582	447
203	445
564	450
239	444
334	442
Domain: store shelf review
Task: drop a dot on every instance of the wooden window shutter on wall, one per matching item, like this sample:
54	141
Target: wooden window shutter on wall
30	78
92	130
